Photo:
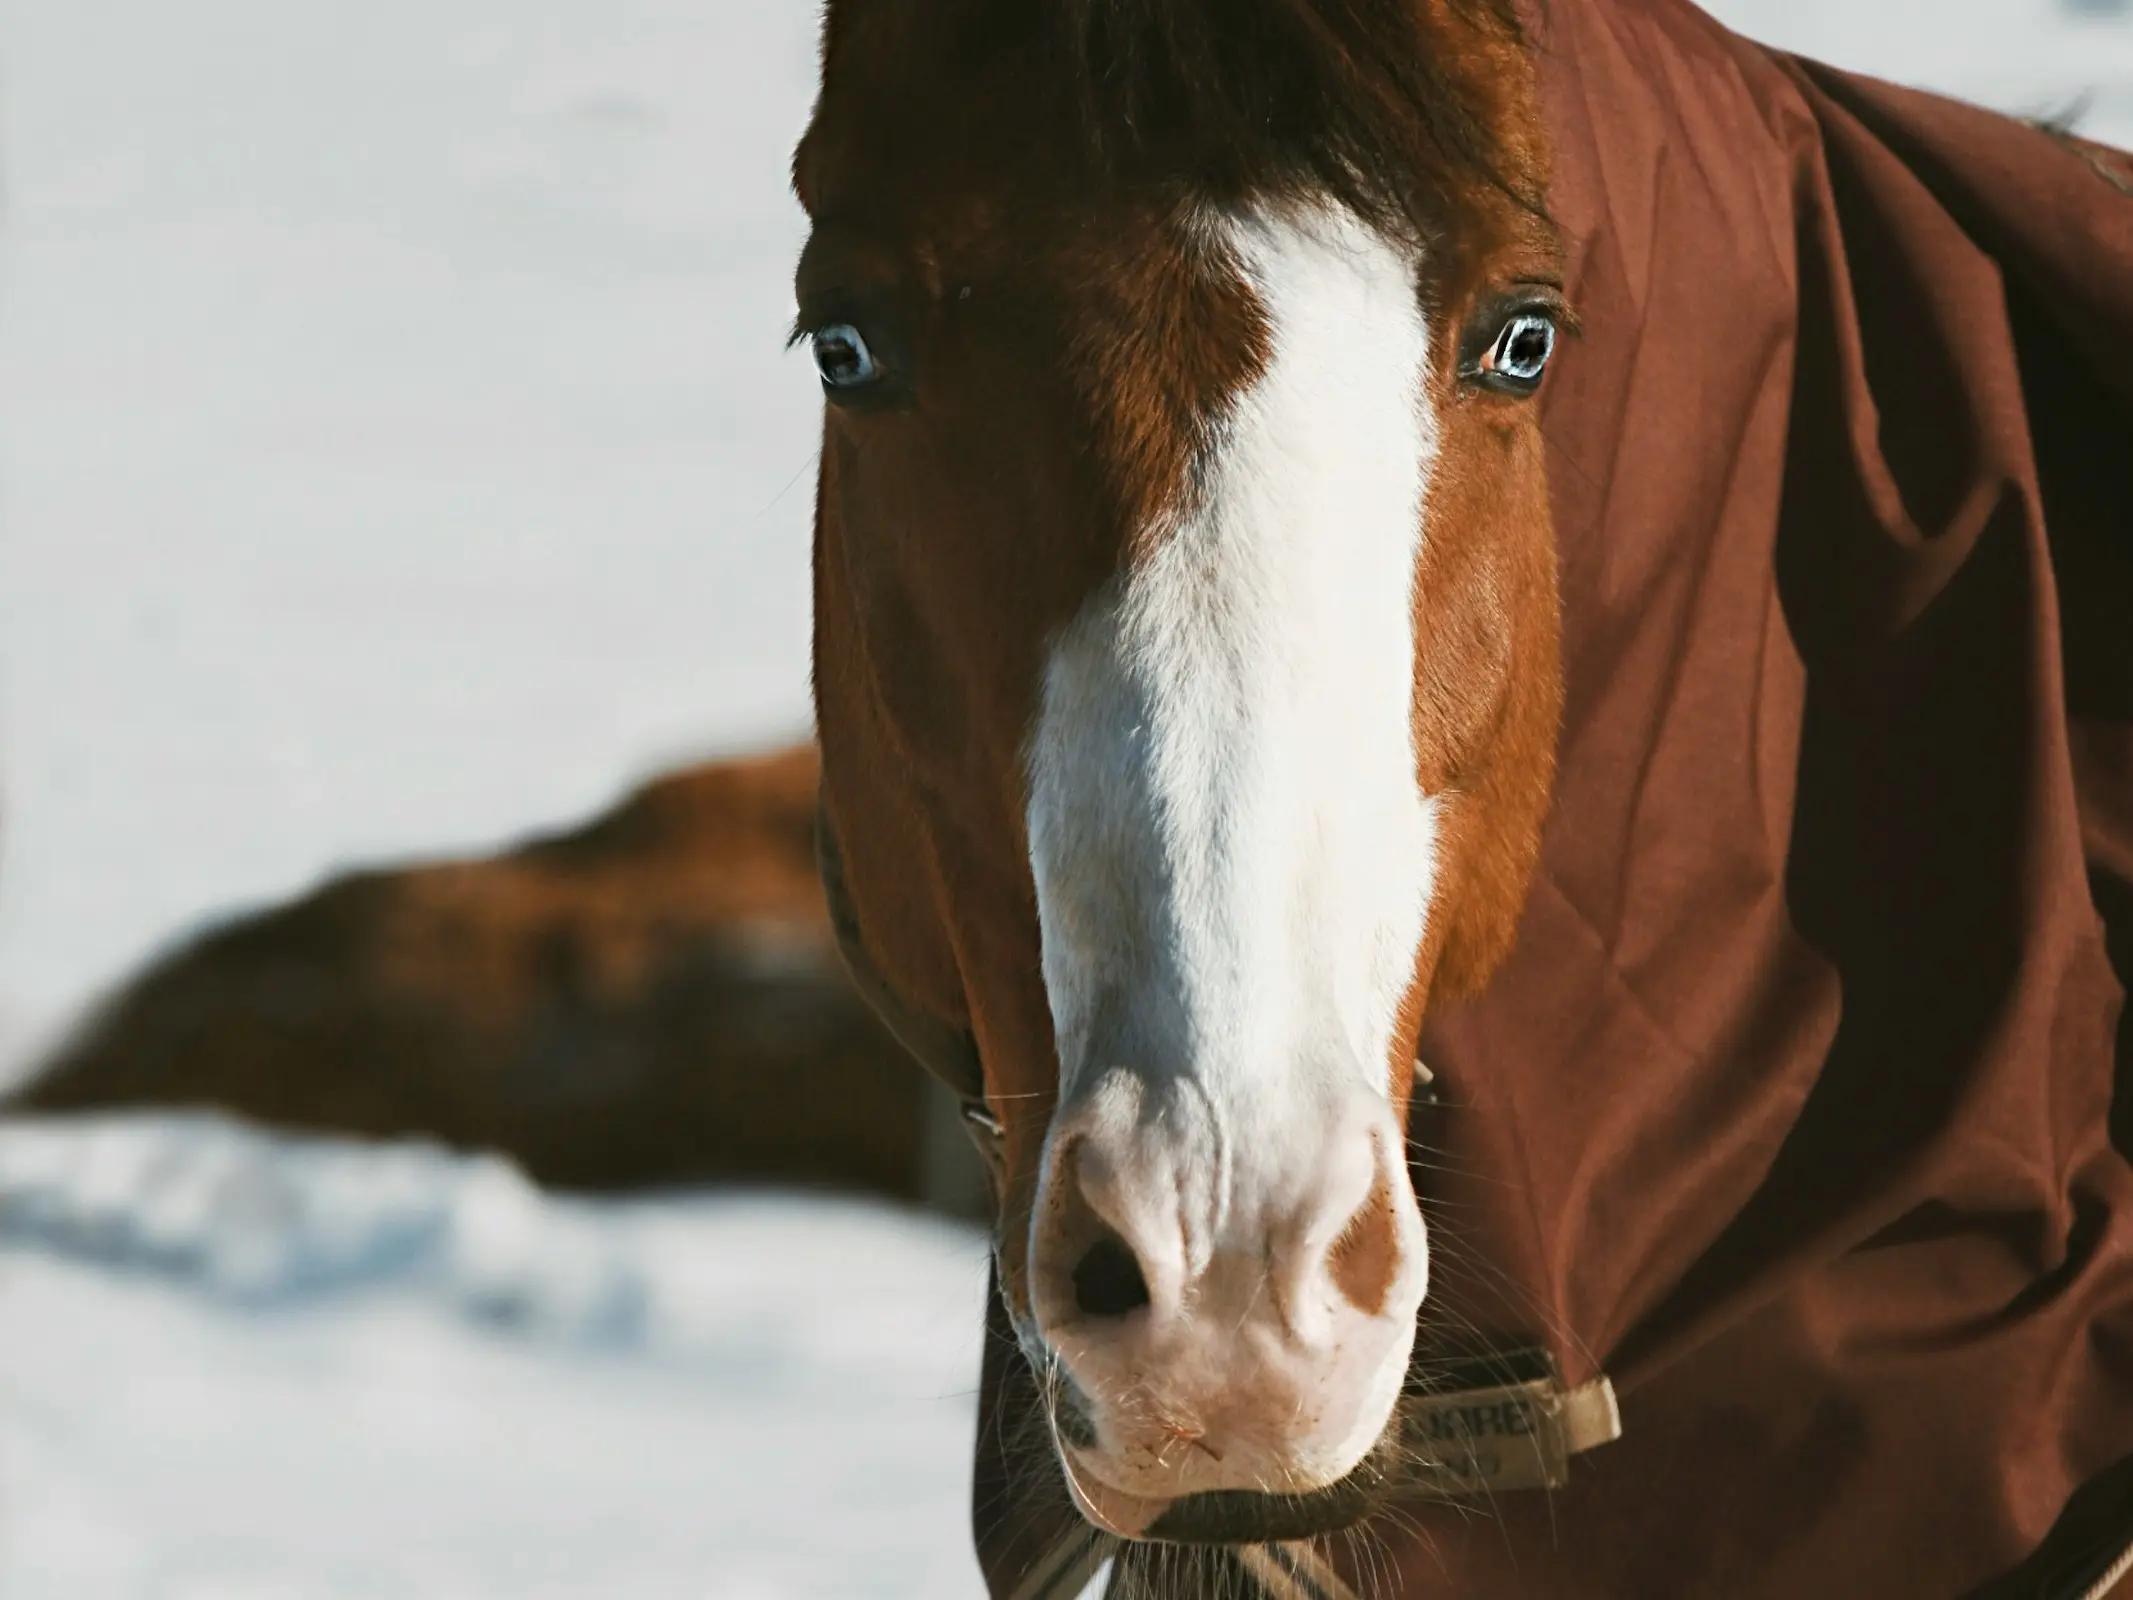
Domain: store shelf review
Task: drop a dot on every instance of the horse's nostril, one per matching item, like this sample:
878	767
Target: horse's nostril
1108	1282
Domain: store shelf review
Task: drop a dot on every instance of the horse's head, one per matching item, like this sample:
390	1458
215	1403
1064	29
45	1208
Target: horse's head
1186	661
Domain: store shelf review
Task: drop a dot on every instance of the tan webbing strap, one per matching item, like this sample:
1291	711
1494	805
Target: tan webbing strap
1293	1572
1067	1567
1276	1571
1506	1436
2113	1582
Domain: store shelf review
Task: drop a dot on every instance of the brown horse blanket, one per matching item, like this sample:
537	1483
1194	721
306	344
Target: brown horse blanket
1794	1111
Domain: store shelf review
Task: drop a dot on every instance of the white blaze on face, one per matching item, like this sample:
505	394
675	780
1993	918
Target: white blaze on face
1232	860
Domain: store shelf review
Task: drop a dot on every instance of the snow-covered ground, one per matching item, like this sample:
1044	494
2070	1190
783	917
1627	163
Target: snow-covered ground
396	454
239	1368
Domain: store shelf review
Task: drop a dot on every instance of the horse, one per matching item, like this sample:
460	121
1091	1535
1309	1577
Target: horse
1190	679
1175	401
647	999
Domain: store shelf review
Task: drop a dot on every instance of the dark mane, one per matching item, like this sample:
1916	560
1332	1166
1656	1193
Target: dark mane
1353	98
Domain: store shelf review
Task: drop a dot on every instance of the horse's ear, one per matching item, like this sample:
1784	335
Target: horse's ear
948	1052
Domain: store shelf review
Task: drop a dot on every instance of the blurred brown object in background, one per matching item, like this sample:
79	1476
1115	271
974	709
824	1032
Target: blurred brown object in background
653	999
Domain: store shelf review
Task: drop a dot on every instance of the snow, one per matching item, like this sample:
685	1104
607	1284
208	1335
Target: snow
399	448
2038	58
397	454
241	1366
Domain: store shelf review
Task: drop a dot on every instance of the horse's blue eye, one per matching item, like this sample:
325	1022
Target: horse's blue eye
1520	353
842	357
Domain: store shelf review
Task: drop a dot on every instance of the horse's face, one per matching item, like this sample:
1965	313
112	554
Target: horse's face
1186	681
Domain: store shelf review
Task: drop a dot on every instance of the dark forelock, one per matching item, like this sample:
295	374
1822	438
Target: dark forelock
1392	107
1352	98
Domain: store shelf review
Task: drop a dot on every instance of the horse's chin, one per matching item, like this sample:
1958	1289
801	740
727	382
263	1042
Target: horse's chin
1129	1516
1244	1517
1233	1516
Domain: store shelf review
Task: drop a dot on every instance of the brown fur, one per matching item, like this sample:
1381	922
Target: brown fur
650	999
1255	98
